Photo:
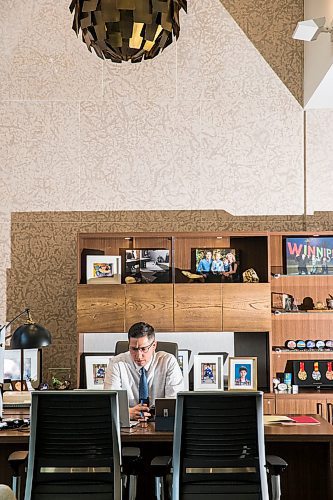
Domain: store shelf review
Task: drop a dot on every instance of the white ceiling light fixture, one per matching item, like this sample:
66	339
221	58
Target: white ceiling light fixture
309	30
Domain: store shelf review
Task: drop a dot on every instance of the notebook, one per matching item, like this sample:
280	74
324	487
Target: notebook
302	420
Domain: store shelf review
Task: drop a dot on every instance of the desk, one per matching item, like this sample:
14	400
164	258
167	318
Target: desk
308	449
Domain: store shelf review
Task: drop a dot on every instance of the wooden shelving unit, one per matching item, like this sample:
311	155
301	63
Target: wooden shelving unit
204	307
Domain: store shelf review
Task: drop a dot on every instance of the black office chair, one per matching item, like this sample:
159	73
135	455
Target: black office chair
170	347
219	449
74	449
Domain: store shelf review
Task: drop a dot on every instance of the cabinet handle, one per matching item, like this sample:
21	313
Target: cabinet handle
329	410
320	409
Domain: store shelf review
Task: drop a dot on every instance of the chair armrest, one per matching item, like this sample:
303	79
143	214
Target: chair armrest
161	465
16	459
275	465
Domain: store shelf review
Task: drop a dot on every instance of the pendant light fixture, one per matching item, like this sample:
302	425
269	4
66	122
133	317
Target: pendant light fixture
127	30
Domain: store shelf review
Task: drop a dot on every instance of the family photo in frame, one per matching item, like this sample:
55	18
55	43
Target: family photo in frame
242	374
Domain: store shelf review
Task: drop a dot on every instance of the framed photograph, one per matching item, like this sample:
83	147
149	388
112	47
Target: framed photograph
95	370
208	372
146	265
216	264
308	255
32	365
183	359
242	374
102	269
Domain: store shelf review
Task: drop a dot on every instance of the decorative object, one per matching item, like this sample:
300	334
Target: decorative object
250	276
127	30
242	374
208	372
60	378
31	335
103	269
183	359
95	371
193	277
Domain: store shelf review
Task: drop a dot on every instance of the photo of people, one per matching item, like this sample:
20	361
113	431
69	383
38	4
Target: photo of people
208	373
99	373
309	256
217	264
103	270
242	374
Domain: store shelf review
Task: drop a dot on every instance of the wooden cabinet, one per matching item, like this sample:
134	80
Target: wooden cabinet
198	307
269	404
150	303
300	404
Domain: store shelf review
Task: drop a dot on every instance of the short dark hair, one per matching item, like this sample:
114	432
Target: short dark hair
141	329
243	368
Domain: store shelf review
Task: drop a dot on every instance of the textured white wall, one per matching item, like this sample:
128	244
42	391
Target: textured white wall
207	124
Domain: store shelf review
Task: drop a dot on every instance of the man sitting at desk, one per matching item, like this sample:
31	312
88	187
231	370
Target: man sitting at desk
144	373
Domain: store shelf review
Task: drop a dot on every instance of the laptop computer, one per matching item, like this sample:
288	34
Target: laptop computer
165	409
123	409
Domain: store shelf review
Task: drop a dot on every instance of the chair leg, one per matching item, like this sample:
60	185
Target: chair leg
133	480
159	488
16	486
276	487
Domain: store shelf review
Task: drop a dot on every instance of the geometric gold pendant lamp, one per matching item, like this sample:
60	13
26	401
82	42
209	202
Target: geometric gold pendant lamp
127	30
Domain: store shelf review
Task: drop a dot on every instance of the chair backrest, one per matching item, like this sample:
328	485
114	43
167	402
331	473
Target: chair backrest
74	449
170	347
219	450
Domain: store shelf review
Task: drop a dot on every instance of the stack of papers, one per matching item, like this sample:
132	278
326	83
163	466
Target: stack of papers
276	419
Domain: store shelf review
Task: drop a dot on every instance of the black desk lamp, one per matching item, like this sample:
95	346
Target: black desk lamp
31	335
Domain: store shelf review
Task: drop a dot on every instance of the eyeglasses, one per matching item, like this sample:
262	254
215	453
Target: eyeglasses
143	349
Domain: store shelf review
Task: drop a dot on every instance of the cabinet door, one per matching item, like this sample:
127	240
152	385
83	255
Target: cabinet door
100	308
151	303
300	406
198	307
246	307
269	406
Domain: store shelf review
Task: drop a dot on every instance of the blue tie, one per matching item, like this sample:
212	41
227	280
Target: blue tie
143	386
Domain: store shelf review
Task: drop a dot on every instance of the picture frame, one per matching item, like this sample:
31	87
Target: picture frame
95	370
208	372
242	374
146	265
103	269
32	366
183	361
216	264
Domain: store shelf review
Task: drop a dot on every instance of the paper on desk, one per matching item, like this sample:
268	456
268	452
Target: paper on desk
276	419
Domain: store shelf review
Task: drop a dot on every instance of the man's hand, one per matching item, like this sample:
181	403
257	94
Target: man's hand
139	412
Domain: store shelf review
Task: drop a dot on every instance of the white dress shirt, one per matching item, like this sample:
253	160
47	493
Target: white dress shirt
164	376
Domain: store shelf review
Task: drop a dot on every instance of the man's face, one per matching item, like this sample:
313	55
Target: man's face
209	255
242	373
137	348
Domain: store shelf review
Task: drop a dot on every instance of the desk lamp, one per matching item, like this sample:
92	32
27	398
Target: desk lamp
31	335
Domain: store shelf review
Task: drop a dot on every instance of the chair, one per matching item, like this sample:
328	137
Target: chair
74	449
170	347
219	449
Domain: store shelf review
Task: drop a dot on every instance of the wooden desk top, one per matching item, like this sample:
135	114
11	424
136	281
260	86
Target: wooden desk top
274	432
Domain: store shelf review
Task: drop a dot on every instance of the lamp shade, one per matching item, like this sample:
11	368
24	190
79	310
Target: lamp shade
30	336
127	30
